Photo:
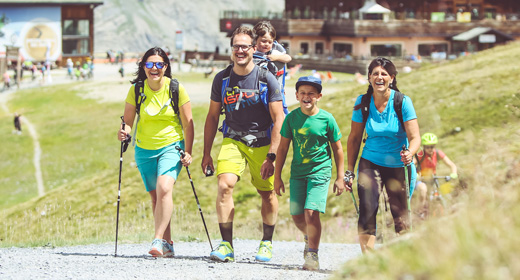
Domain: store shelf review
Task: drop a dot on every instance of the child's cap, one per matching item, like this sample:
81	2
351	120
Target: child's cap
311	81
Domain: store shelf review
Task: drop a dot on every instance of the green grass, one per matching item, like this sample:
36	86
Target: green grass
478	94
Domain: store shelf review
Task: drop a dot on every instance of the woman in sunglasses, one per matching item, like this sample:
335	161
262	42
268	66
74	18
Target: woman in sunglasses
159	130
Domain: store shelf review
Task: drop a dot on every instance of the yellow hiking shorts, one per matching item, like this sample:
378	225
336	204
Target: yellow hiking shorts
235	155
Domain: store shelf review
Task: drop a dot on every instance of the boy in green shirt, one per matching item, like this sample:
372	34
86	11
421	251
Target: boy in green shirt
311	129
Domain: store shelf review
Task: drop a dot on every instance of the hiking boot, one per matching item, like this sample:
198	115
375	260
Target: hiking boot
306	248
223	253
156	250
265	251
168	251
311	261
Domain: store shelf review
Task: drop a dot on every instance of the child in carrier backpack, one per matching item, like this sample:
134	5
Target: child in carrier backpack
270	50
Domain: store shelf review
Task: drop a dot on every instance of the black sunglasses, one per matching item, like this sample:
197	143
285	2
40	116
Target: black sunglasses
150	65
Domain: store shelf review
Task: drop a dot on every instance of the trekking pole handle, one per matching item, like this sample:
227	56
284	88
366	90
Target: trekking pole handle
180	151
348	176
123	122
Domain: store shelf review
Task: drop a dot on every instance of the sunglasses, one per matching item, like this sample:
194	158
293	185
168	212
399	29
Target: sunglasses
150	65
243	47
429	147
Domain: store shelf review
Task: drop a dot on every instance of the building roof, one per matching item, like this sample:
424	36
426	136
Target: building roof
477	31
371	7
52	2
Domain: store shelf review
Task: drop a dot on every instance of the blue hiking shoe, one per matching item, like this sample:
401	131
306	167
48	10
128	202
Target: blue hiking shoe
167	248
156	250
265	251
224	253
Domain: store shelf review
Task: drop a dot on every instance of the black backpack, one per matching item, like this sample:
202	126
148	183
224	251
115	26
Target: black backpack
174	95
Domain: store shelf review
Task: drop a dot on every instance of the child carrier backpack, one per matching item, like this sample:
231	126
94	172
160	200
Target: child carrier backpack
264	97
140	98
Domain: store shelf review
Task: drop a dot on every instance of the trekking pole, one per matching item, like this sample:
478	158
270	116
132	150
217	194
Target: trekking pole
196	198
407	190
124	145
350	175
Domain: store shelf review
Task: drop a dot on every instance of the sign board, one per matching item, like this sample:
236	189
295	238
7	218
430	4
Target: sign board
178	40
12	52
36	30
487	38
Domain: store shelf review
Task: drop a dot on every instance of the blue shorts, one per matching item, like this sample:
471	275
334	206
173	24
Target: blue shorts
310	193
154	163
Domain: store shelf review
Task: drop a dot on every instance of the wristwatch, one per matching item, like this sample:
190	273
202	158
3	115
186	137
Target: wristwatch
271	156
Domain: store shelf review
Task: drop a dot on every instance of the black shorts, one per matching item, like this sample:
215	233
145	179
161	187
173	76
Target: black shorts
371	180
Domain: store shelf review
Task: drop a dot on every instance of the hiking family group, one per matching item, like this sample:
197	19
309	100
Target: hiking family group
258	130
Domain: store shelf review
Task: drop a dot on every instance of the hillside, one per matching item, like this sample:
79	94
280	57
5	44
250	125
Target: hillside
136	25
471	103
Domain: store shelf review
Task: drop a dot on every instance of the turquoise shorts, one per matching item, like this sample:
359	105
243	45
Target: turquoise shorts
310	193
154	163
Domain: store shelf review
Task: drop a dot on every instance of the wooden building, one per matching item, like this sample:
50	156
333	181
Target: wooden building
52	30
408	29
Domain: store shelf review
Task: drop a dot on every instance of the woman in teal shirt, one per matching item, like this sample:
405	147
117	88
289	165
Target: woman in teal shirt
382	161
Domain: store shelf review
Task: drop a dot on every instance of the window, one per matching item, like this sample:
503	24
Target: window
286	46
76	39
385	50
341	50
76	27
318	48
429	49
76	46
304	48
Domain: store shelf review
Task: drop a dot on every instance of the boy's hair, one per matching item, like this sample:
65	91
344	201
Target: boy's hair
264	27
244	30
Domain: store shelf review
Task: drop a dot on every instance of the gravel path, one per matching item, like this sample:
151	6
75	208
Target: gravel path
191	262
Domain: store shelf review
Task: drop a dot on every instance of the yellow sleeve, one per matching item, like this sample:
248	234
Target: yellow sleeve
130	97
183	95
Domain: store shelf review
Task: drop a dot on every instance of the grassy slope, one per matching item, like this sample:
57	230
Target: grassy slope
479	94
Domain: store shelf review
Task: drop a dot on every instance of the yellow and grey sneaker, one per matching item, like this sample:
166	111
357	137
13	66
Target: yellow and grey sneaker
311	261
167	248
265	251
156	250
223	253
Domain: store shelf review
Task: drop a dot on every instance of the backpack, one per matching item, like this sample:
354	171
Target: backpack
140	98
419	161
398	107
264	97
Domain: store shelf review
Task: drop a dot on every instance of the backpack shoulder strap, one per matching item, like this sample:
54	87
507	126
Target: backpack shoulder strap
398	106
139	97
365	106
262	87
174	95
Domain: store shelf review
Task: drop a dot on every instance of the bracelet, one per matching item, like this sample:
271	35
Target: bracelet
349	175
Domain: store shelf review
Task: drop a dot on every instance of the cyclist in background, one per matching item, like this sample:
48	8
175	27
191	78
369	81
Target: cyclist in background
426	162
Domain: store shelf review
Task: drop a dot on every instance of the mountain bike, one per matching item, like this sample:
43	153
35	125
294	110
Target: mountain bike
437	202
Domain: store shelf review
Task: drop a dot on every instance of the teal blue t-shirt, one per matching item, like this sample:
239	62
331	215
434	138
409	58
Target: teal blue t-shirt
311	136
386	135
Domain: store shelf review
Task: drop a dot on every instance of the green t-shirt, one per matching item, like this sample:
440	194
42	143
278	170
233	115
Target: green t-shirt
158	126
311	136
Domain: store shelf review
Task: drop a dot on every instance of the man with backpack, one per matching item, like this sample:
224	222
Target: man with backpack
252	103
